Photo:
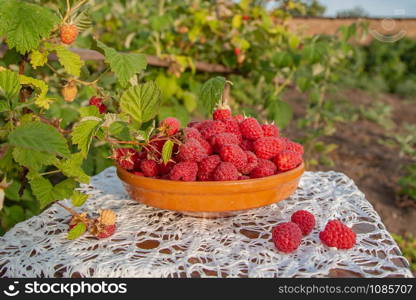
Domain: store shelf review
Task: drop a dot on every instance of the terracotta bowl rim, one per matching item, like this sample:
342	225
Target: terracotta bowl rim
122	173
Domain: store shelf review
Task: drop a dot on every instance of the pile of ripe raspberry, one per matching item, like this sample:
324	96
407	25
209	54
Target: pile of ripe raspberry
225	148
287	236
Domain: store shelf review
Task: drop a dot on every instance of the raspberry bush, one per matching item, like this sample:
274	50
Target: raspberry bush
42	155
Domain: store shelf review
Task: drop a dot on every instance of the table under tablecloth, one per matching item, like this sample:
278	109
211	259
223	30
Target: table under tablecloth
150	242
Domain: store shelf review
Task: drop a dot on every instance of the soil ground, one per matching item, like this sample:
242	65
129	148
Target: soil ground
374	167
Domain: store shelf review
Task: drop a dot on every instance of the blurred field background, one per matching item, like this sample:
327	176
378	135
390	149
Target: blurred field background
345	86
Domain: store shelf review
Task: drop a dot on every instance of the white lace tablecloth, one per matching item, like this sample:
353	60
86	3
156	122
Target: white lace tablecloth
153	243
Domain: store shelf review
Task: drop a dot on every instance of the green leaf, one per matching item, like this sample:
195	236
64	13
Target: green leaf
281	112
83	133
25	24
71	61
77	231
40	137
211	92
236	21
38	59
64	189
189	100
167	151
160	23
33	159
71	167
9	84
124	65
120	130
78	198
6	161
41	89
89	111
141	102
282	59
42	189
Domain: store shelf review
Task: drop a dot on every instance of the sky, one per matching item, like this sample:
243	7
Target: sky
376	8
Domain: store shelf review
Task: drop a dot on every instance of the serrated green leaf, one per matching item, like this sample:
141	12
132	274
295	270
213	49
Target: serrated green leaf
41	88
82	21
78	198
71	167
32	159
9	84
38	59
141	102
40	137
77	231
89	111
25	24
64	189
167	151
120	130
211	92
46	193
124	65
42	189
71	61
83	133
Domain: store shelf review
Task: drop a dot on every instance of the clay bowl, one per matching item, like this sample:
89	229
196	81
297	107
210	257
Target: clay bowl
211	199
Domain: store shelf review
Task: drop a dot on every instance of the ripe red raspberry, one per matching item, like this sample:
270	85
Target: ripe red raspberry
149	168
164	169
251	129
267	147
264	168
247	145
207	166
239	118
127	158
287	237
225	171
210	128
138	173
243	177
305	221
192	133
155	148
270	130
194	124
98	102
185	171
246	18
235	155
69	33
206	145
336	234
287	160
221	139
170	126
195	134
232	126
221	114
237	51
106	232
295	147
252	162
192	150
